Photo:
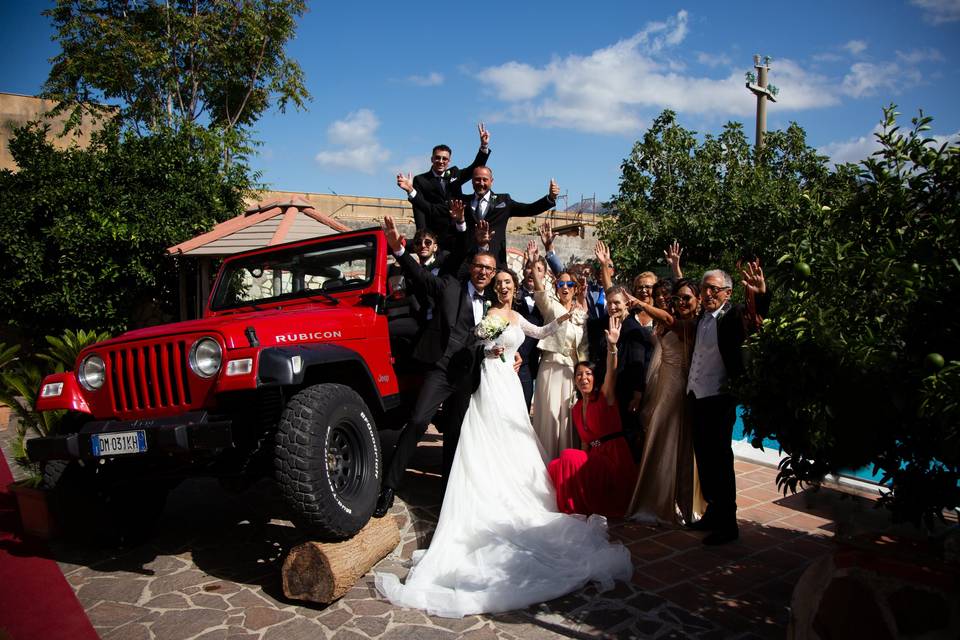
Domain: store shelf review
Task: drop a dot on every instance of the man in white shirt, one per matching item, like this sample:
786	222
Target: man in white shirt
722	329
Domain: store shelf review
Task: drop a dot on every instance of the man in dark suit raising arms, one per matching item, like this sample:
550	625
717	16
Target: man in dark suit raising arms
450	348
494	209
497	209
717	357
441	184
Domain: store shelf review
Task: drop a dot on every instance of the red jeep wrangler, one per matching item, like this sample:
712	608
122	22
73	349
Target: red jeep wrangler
291	367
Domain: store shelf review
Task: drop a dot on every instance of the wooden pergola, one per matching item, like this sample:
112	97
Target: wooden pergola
263	224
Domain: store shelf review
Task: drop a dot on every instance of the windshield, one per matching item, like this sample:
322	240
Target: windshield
295	273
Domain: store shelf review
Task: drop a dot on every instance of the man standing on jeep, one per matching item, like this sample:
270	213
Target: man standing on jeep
441	184
449	347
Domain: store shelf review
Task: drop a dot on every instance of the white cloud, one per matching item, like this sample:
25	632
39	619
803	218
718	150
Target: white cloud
939	11
432	79
713	59
919	55
860	148
413	165
953	139
869	78
852	150
356	134
607	90
866	78
856	47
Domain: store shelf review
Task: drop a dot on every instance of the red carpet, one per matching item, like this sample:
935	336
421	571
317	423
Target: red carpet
36	603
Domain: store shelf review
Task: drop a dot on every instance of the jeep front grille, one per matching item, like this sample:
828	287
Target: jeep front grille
149	376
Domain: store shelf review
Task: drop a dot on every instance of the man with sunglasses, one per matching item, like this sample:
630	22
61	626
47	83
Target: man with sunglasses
448	346
441	184
717	357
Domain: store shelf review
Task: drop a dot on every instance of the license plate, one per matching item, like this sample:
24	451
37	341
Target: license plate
119	443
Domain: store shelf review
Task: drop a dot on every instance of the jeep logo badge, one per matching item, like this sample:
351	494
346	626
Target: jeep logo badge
305	337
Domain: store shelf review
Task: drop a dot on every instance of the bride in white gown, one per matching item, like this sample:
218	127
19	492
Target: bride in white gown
500	543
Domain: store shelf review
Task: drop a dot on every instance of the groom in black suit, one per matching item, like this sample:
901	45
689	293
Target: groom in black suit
441	184
451	349
717	358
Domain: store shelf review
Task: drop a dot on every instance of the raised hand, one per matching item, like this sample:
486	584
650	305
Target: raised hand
405	182
547	236
602	253
672	255
613	331
581	291
753	279
554	190
456	211
484	135
394	237
482	233
532	252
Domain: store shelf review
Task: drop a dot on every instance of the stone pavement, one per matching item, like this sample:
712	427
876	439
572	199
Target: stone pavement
213	572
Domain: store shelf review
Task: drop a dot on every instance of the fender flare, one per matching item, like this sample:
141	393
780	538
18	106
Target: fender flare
276	366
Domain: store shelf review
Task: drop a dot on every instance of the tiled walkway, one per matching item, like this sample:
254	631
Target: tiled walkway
213	572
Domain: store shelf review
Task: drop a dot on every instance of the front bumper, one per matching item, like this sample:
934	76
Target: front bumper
187	433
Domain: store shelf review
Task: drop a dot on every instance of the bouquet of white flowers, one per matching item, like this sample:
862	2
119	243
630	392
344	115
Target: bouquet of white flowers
491	327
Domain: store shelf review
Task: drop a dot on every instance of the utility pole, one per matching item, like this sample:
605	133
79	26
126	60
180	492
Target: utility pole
757	83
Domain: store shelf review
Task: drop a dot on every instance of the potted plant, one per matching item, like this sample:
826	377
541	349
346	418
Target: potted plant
19	384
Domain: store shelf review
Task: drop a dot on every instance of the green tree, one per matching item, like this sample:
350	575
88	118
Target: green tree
860	363
84	231
719	198
177	63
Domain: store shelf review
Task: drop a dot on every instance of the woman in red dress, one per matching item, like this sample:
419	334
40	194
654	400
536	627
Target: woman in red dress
597	478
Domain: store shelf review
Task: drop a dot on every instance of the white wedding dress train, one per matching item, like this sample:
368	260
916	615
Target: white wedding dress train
500	543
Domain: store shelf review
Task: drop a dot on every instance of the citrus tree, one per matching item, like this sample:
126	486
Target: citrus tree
859	363
84	231
719	197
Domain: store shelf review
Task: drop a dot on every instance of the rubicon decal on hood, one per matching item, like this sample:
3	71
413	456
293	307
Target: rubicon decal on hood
307	337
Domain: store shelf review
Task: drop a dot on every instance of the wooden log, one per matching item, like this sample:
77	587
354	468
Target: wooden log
324	571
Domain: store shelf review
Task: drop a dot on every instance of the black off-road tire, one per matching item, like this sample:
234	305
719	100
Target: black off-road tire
102	505
328	461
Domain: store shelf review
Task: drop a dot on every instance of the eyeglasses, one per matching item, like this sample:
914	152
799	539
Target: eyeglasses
714	289
441	159
684	298
644	287
565	283
483	267
427	242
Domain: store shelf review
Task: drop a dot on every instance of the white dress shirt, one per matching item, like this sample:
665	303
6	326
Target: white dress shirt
477	304
482	206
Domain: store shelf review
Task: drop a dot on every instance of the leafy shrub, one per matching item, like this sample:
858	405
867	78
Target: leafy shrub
20	381
860	361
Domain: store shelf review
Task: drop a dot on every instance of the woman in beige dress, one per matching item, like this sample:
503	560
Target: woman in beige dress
667	488
558	355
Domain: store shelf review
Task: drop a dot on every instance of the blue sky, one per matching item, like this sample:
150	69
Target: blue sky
565	88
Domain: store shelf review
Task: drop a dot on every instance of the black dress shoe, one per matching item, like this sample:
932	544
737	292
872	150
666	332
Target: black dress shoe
722	536
384	502
703	524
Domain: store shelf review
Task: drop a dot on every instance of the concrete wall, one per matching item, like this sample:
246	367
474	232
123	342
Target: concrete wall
17	110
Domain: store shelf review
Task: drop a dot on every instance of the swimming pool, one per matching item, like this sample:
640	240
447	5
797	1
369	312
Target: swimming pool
771	454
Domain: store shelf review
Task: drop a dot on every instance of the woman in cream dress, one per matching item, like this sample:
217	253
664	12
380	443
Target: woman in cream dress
559	353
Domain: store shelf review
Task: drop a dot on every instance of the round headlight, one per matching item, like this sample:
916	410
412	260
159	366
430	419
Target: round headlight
92	372
205	357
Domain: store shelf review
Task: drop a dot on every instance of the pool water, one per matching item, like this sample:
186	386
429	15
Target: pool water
864	473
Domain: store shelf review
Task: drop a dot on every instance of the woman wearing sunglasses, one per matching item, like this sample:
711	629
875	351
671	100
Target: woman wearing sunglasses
559	353
667	489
